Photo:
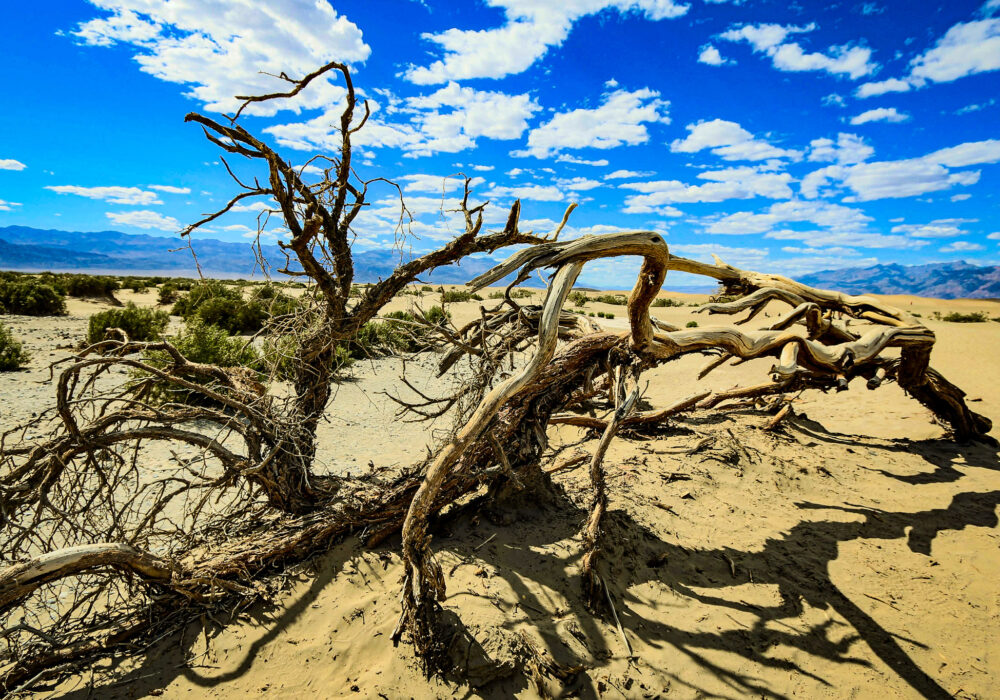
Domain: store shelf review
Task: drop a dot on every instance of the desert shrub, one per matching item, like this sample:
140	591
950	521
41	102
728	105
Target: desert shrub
90	286
437	315
578	298
591	314
221	305
140	323
427	288
691	324
613	299
30	297
974	317
609	315
202	342
667	303
12	353
455	295
138	285
167	293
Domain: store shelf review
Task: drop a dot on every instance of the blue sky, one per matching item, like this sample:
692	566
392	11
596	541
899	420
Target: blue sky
784	137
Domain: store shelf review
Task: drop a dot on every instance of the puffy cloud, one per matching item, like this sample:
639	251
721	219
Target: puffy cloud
731	183
853	61
567	158
834	100
939	228
225	47
965	49
832	216
846	238
623	174
145	219
170	189
882	87
6	206
112	194
620	119
961	247
729	141
711	56
881	114
535	193
530	29
905	178
448	120
437	183
579	184
849	148
11	164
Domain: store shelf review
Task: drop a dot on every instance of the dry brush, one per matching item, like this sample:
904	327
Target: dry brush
100	545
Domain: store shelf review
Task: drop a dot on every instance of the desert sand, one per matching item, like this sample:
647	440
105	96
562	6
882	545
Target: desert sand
852	553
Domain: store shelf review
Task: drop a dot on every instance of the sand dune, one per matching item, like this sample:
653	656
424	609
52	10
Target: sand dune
852	553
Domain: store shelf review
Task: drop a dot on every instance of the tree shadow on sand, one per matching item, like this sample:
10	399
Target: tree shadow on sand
535	553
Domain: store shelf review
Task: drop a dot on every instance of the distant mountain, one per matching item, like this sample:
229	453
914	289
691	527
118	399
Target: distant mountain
951	280
31	249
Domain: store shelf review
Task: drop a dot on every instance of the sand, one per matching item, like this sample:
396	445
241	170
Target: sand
853	554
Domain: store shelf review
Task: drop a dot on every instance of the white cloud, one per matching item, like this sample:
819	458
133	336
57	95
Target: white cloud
224	48
961	247
834	100
964	154
145	219
170	189
731	183
6	206
449	120
849	148
882	87
530	29
846	238
960	197
711	56
832	216
566	158
536	193
438	183
995	236
729	141
112	195
746	257
11	164
854	61
620	119
905	178
578	184
483	168
939	228
622	174
882	114
965	49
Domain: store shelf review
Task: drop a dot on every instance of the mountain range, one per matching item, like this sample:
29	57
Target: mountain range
113	252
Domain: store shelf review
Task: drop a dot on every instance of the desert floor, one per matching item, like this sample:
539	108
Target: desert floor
853	553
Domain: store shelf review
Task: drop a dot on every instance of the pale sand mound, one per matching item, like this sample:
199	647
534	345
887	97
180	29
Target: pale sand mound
832	558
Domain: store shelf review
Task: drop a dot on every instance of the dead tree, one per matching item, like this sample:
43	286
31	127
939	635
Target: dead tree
135	546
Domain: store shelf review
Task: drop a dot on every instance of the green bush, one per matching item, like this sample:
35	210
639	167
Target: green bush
222	305
167	293
139	323
578	298
30	297
203	343
974	317
12	353
456	295
90	286
427	288
613	299
659	303
691	324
